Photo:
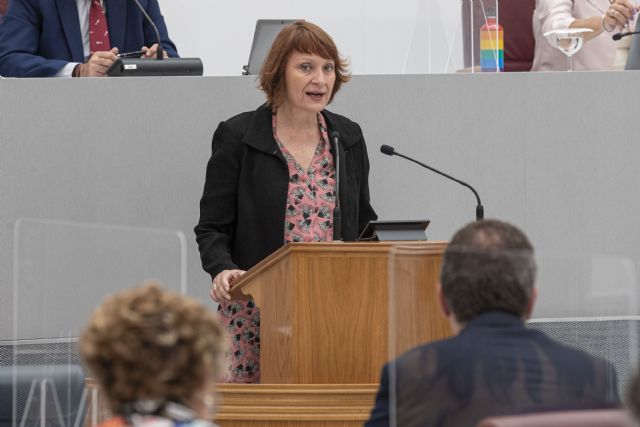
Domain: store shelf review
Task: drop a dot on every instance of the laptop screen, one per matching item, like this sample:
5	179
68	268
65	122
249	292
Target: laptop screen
263	37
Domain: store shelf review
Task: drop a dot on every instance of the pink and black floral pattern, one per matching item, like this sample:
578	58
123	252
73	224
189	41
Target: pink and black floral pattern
308	218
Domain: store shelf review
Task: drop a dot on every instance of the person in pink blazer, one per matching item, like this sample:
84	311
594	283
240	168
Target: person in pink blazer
601	16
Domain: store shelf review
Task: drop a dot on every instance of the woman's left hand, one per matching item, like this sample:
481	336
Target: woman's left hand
222	283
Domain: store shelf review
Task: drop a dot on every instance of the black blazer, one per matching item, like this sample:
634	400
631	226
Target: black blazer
242	210
495	366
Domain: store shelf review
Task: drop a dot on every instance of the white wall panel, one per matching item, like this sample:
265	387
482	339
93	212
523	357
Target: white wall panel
379	37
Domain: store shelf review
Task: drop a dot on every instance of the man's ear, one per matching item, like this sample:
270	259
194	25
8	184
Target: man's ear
532	302
444	306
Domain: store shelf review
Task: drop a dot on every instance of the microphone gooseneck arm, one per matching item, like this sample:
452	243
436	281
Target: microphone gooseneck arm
618	36
390	151
160	51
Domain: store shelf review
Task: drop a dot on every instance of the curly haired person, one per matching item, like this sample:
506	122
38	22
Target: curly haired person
156	356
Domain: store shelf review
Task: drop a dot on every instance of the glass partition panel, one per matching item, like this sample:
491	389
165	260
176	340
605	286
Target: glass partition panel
600	314
490	362
62	271
452	37
483	36
412	37
435	45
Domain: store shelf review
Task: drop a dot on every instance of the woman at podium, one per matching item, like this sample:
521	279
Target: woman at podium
273	178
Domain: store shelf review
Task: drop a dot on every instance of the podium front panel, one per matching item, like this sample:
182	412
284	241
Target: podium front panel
325	308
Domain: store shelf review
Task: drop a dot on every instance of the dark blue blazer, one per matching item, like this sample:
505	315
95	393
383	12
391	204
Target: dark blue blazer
495	366
39	37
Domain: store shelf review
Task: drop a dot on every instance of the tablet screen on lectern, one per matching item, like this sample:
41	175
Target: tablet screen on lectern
373	227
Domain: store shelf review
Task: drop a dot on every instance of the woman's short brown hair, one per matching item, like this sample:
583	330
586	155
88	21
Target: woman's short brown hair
152	344
303	37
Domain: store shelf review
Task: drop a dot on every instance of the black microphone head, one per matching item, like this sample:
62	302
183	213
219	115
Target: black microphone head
617	36
335	135
388	150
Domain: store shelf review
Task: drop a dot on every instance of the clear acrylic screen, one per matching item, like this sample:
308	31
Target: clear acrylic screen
62	271
599	316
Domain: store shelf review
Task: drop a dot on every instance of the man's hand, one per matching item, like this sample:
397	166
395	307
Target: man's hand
151	52
98	64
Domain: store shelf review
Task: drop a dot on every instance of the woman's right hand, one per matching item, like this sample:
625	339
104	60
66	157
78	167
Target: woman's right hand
619	13
222	283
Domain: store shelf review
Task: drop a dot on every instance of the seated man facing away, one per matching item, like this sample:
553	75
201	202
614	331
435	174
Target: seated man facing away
495	365
76	38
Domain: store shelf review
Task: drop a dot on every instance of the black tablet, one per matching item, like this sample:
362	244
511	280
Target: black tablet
395	230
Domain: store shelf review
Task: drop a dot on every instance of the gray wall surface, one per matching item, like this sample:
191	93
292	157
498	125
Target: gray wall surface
554	153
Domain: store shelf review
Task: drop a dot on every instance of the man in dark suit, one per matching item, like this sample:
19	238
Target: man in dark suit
494	365
76	38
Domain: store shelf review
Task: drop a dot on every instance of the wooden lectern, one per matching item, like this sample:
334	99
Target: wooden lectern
331	314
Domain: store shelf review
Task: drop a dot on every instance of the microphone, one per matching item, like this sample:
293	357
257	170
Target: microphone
160	51
337	215
618	36
390	151
131	67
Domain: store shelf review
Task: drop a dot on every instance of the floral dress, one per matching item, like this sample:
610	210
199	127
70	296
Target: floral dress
311	199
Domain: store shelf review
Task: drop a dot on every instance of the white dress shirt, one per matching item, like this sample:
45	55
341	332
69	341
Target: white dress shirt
83	14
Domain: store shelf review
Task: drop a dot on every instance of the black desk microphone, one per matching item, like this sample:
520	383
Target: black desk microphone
390	151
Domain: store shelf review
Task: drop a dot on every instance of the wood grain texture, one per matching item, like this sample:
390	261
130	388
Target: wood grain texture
262	405
267	405
334	313
331	315
415	315
344	338
276	321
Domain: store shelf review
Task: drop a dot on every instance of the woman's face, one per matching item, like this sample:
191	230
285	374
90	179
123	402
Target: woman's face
308	81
